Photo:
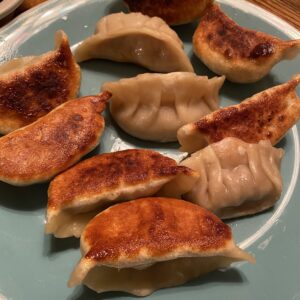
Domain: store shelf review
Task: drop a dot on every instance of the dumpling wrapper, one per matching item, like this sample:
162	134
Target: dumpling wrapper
236	178
154	106
32	86
50	145
80	193
138	39
175	12
267	115
163	242
241	54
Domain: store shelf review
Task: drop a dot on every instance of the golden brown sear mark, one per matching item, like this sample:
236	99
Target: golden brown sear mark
232	40
108	172
174	12
241	54
265	116
54	142
36	85
160	225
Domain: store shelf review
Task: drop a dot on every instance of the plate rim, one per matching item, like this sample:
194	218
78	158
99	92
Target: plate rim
255	10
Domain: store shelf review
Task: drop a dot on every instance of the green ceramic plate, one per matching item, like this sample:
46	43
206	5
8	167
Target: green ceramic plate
34	266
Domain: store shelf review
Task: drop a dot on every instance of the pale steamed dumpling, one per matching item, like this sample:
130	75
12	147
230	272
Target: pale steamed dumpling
236	178
154	106
138	39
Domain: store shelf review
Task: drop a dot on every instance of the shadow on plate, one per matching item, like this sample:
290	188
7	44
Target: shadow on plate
186	31
236	91
96	151
282	143
118	69
212	279
27	198
239	92
116	6
234	220
53	245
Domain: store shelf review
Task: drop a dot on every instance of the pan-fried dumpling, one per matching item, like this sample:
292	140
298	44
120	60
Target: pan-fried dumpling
154	106
138	39
37	152
174	12
163	242
32	86
77	195
265	116
242	55
236	178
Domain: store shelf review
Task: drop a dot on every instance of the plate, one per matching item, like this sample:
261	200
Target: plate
37	266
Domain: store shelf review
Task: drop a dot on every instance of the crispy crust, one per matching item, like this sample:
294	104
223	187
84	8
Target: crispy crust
241	54
104	173
265	116
35	89
154	227
174	12
54	142
234	41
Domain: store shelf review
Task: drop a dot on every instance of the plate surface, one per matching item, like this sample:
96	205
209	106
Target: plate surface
36	266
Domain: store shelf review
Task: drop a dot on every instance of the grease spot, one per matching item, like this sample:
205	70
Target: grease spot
263	245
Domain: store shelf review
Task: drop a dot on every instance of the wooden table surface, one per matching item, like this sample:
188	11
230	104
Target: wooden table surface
288	10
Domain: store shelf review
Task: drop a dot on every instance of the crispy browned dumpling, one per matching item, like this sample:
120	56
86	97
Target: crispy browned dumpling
32	86
265	116
78	194
151	243
53	143
241	54
174	12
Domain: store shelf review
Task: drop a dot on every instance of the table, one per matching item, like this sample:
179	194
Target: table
288	10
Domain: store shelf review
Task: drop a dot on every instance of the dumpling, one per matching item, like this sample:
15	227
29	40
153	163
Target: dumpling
78	194
53	143
174	12
265	116
242	55
236	178
32	86
154	106
138	39
163	243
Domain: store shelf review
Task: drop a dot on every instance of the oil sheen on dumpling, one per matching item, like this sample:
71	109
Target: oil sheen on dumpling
242	55
39	151
174	12
32	86
138	39
265	116
236	178
154	106
163	242
77	195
